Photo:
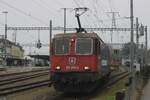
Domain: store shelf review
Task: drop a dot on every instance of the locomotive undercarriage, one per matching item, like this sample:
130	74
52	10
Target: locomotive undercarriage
76	82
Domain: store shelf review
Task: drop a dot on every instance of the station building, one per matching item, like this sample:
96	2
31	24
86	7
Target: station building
14	53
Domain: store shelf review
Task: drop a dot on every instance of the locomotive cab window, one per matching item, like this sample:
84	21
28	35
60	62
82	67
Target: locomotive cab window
61	46
84	46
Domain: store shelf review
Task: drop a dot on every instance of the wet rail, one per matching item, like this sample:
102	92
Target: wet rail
22	73
23	87
58	96
22	78
23	82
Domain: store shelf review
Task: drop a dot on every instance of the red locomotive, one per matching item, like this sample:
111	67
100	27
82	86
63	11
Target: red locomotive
79	61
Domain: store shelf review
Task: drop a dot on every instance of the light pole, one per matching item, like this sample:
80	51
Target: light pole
131	75
145	29
5	40
5	12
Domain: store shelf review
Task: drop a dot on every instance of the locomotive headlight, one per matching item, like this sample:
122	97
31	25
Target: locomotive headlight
86	68
58	68
72	40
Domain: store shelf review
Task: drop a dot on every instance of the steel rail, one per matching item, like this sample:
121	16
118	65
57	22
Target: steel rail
18	79
23	87
20	73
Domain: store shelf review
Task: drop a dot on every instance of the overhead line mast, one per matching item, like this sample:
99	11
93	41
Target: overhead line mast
65	18
113	22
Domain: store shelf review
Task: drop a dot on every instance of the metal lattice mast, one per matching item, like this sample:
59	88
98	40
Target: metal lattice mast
114	25
67	29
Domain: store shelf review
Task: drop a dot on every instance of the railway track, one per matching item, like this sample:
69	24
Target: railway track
23	87
22	73
112	80
23	81
59	96
22	78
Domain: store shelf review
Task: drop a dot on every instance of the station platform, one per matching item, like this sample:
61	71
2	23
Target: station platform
19	69
146	92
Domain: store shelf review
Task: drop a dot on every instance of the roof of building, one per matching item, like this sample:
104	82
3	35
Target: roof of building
116	45
44	57
2	40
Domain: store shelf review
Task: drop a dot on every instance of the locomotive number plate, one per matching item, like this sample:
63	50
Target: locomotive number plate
72	67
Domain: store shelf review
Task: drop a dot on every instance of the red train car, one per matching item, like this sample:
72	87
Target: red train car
78	62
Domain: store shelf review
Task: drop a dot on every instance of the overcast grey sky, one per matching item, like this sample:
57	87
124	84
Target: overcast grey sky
39	12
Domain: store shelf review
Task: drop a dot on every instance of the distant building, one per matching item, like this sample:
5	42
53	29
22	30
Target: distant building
14	52
117	46
40	60
116	53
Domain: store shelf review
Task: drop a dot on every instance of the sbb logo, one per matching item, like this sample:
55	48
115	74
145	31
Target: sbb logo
72	60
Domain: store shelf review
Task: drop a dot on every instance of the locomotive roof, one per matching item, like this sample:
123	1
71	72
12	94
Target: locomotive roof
68	35
79	35
76	34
